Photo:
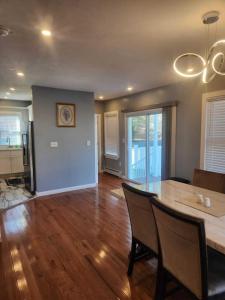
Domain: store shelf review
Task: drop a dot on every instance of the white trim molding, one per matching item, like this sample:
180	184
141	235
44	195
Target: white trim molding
64	190
98	144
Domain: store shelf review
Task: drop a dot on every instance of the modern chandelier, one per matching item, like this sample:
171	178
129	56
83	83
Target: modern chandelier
192	64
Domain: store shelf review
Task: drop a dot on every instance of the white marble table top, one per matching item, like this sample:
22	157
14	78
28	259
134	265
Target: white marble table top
169	192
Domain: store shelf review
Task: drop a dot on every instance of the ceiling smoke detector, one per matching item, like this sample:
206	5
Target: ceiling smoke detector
4	31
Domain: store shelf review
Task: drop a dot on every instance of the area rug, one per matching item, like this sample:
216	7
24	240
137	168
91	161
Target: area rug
118	193
12	195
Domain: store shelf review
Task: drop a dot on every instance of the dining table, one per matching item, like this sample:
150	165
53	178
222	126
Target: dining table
194	201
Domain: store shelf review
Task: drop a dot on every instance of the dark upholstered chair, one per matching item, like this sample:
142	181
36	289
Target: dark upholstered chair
144	233
209	180
184	256
180	179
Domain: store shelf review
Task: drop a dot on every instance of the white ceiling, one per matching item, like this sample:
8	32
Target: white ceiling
99	45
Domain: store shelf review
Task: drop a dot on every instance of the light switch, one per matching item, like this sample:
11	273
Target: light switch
88	143
53	144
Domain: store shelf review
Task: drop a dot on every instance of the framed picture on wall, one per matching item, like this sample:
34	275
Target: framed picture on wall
65	115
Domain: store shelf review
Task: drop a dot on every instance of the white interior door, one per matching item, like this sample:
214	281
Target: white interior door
98	145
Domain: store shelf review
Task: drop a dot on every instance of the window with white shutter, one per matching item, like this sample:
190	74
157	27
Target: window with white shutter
10	129
111	127
214	131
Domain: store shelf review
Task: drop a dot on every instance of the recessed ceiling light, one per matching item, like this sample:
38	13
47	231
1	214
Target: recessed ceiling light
8	93
20	74
130	88
101	97
46	32
12	89
6	97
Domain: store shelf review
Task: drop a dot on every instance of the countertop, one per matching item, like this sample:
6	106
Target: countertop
10	149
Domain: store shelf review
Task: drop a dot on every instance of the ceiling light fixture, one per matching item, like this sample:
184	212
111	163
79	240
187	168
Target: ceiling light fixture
12	89
187	55
8	93
130	88
190	70
46	32
217	55
20	74
101	97
213	63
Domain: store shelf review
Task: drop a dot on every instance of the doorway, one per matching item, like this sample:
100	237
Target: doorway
15	140
98	144
144	146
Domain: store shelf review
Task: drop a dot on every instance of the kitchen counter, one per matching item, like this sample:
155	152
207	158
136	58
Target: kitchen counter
10	149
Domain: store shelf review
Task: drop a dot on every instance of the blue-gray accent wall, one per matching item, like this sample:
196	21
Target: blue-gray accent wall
188	136
73	162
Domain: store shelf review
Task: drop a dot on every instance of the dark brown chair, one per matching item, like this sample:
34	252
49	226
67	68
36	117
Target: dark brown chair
143	227
209	180
184	255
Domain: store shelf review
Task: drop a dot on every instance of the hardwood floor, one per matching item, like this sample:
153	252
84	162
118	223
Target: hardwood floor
72	246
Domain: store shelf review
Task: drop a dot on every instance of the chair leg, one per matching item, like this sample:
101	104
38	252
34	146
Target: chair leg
132	257
160	282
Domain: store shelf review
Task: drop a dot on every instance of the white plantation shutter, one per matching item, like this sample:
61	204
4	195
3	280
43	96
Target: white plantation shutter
111	127
215	135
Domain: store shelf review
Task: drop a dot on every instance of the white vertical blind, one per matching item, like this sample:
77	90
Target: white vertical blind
215	135
111	126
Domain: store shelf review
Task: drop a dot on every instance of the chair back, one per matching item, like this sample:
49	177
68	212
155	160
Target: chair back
141	216
209	180
182	248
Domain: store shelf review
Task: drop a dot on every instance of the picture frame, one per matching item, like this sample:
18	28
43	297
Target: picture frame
65	114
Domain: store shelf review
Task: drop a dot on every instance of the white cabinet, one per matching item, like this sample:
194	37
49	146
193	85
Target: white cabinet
11	161
5	162
17	161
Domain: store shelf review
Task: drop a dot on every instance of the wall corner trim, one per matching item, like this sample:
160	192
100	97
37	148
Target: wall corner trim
64	190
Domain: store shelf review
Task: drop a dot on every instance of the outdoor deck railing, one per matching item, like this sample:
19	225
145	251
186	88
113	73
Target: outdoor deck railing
137	162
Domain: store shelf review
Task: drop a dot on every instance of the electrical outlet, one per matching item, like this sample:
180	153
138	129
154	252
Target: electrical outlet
53	144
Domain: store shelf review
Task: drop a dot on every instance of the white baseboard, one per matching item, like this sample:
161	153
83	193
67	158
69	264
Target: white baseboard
63	190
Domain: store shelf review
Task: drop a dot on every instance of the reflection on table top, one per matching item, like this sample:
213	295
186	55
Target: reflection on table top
172	193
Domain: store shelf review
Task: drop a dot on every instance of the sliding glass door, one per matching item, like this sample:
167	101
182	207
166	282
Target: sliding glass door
137	147
144	146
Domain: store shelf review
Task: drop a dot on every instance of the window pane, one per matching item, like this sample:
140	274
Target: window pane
155	146
137	148
10	130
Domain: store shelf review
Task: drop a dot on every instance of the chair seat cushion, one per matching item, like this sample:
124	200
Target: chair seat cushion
216	274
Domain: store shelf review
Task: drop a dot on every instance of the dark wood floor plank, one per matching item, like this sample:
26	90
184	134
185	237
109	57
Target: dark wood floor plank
72	246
